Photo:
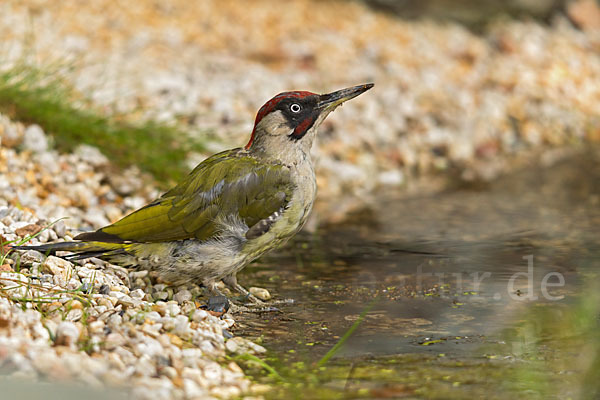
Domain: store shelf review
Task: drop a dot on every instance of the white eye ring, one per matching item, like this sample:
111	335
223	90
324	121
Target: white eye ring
295	108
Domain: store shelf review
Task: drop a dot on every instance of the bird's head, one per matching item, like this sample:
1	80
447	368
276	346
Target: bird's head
287	124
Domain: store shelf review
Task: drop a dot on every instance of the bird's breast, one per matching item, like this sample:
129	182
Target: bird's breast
295	214
305	189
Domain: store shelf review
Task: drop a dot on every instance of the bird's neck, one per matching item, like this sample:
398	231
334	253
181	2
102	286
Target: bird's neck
282	150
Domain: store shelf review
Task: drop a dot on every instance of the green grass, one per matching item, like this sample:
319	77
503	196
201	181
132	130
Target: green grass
44	97
302	379
337	347
20	242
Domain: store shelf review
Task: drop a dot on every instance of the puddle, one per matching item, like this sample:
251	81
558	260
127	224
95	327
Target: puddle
475	291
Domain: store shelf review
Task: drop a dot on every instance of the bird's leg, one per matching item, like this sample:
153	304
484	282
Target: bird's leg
218	303
231	281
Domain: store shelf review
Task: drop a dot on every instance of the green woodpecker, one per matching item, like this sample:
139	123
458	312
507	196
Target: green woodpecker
232	208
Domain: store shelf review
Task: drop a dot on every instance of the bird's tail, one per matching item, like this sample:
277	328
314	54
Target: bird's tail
81	250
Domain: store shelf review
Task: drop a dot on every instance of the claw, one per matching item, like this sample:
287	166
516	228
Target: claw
255	300
239	309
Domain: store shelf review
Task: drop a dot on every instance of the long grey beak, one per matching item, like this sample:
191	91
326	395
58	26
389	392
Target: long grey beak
332	100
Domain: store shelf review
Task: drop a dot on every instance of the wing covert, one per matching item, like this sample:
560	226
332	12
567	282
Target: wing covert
227	184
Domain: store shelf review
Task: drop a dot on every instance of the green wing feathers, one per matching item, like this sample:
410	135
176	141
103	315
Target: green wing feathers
228	184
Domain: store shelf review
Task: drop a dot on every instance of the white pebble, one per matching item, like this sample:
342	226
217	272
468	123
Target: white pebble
66	334
35	139
260	293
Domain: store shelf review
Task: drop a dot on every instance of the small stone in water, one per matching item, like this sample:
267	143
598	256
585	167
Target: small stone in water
260	293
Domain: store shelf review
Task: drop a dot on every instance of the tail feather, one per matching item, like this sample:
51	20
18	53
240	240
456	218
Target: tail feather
80	250
106	254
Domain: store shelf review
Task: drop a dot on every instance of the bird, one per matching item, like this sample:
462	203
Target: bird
232	208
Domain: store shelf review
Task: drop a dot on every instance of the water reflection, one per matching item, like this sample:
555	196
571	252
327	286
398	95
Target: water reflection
505	273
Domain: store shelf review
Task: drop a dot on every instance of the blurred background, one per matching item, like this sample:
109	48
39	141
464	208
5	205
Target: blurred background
477	147
463	88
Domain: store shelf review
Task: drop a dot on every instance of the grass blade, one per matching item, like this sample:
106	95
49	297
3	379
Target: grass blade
347	335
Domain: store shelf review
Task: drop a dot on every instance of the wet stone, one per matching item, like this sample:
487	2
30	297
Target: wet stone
260	293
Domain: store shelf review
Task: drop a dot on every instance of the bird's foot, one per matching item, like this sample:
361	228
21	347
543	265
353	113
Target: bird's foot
259	306
253	299
217	305
258	302
250	303
235	309
283	301
232	283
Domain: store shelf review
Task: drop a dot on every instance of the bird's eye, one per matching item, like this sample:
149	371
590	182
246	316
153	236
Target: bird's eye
295	108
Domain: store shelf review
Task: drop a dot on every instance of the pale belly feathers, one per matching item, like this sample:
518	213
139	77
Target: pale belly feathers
211	260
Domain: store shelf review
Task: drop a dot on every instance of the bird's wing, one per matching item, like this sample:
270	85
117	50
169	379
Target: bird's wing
228	184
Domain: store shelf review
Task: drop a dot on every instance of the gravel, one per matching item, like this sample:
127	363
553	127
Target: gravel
92	322
445	100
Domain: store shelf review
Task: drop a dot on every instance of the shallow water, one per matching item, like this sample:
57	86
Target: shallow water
475	292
